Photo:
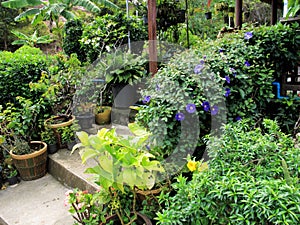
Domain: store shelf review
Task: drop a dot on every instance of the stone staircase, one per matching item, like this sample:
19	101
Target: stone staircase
40	202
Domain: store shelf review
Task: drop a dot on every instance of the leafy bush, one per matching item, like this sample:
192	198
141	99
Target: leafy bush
108	32
17	70
73	31
253	178
169	93
235	74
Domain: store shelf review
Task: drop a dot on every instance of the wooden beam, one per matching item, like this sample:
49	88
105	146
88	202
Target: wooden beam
238	13
152	36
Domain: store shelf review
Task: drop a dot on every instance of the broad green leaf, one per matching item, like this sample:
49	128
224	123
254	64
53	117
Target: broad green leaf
17	4
129	177
106	163
83	137
138	130
88	153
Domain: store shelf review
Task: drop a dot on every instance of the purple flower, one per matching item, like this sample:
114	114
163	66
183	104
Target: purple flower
247	64
206	106
202	62
204	57
233	71
198	68
227	78
157	88
148	147
248	35
190	108
214	110
221	50
227	92
179	116
238	118
146	99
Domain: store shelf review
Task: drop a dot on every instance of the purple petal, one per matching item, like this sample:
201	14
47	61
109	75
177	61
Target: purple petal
179	116
190	108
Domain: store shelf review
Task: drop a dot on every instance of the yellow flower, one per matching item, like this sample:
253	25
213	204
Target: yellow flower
204	166
192	165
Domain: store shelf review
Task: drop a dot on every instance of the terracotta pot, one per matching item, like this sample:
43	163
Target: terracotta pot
31	166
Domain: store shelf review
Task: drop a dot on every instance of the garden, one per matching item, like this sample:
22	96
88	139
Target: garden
214	133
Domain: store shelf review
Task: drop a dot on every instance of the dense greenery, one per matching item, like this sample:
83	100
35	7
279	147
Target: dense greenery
234	73
107	33
17	70
253	178
72	34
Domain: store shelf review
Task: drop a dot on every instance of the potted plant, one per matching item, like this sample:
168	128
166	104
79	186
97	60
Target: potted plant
30	158
103	110
16	133
68	136
123	166
49	137
12	178
123	71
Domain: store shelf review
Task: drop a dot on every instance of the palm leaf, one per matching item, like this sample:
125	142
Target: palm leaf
17	4
68	15
27	13
88	5
19	42
106	3
20	35
44	39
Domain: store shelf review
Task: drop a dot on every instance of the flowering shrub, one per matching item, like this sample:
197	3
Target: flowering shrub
226	79
253	178
181	102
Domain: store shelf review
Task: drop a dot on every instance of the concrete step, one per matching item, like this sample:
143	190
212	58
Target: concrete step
41	201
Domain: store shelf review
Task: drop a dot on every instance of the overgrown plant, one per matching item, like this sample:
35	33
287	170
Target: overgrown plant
253	178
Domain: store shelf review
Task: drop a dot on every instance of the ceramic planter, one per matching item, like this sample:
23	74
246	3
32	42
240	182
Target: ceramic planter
86	121
32	166
103	117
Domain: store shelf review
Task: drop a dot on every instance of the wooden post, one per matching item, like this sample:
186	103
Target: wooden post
152	36
238	13
274	12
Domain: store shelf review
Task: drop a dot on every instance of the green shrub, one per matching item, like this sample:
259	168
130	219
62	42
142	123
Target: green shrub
253	178
71	44
237	78
17	70
108	32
